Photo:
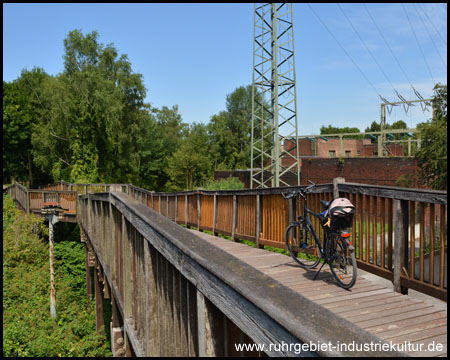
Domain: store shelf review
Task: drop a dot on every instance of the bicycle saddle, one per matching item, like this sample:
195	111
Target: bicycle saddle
325	204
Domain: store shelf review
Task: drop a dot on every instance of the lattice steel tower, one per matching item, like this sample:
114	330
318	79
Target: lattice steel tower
274	136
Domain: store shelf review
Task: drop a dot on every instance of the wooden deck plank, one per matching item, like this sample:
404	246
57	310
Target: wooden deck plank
358	318
337	293
417	314
362	301
381	311
413	328
419	335
400	324
374	306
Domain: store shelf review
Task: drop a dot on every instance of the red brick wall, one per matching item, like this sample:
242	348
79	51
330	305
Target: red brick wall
354	147
372	170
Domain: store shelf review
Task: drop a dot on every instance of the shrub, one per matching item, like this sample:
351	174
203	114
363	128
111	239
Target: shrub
28	329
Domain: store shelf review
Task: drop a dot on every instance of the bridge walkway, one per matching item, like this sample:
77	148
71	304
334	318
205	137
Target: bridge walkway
389	315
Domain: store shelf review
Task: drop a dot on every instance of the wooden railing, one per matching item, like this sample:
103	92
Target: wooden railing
395	230
399	233
85	188
175	294
32	200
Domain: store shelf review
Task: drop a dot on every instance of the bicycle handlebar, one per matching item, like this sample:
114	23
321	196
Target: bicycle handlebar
299	191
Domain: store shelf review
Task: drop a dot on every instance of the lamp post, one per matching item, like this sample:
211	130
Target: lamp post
51	211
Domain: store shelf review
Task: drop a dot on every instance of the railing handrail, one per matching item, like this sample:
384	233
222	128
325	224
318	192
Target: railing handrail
301	317
412	194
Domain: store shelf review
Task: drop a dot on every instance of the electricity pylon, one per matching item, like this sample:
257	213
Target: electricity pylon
382	151
274	100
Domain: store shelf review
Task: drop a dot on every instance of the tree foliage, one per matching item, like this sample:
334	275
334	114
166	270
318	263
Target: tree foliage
230	130
94	115
326	130
432	155
190	166
22	109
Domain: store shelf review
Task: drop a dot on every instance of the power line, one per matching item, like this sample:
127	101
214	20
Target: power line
420	17
432	24
387	44
337	41
368	50
418	44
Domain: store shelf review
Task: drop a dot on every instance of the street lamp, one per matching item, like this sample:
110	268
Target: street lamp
51	211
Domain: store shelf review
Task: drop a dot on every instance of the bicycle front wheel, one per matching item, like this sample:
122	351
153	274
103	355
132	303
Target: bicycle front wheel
301	246
343	264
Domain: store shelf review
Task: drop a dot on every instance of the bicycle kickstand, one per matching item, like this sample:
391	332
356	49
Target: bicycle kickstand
317	273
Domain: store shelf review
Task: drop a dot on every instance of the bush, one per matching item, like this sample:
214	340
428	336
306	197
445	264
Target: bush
28	329
231	183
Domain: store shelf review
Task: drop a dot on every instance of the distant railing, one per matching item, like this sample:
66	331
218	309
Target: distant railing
32	200
85	188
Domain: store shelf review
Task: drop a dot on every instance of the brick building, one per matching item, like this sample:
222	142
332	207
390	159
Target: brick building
356	160
336	148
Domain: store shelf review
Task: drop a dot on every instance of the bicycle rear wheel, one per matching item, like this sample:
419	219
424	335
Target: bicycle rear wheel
301	246
343	263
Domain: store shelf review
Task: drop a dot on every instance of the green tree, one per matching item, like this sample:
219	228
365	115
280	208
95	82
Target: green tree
432	155
230	130
22	109
191	166
325	130
95	114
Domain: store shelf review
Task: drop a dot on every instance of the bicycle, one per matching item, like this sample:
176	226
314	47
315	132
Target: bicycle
338	252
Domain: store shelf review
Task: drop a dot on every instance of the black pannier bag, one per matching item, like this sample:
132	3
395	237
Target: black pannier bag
341	212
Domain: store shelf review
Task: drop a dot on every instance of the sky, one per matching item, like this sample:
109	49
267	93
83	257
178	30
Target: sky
193	55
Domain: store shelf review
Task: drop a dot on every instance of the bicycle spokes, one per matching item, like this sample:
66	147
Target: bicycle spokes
343	264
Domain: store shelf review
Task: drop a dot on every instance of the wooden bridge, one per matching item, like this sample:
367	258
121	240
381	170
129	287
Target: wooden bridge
176	291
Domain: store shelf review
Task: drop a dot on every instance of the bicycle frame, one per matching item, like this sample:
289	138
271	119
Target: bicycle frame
336	251
305	216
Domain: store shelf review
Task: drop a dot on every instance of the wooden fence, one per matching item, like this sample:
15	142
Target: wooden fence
32	200
399	234
175	294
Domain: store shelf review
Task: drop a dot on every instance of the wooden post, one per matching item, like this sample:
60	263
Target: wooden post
214	216
186	209
234	219
176	209
27	202
258	221
336	182
199	211
401	220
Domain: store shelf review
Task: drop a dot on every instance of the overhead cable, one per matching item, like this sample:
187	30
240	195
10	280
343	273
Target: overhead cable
426	29
348	55
432	24
387	44
418	44
368	50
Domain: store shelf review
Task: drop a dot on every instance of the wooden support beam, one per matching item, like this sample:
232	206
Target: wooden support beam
99	321
88	274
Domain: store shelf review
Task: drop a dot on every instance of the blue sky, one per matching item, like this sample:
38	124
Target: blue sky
193	55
